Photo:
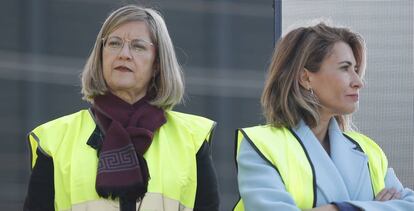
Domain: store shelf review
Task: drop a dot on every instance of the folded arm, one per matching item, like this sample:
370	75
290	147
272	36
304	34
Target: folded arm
406	201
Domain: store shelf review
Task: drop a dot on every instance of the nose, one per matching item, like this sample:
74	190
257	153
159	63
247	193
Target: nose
357	81
124	52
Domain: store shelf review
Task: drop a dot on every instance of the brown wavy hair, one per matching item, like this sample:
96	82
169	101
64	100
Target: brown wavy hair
284	101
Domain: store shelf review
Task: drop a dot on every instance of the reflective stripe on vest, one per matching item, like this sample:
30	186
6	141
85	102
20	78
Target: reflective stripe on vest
276	145
75	162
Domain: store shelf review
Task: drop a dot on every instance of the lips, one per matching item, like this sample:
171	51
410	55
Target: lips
123	68
354	97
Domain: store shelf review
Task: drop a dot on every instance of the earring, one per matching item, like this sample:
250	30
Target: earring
311	91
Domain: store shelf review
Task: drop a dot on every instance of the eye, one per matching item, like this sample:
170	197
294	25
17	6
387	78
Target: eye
138	45
114	42
345	68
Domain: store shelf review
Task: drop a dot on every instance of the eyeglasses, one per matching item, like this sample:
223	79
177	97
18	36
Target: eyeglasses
137	46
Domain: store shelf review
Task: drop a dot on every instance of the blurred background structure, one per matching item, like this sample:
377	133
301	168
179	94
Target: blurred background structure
224	47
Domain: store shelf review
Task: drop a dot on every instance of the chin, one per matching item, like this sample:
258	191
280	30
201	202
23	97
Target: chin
125	85
349	111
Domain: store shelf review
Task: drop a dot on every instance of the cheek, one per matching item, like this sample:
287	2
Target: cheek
106	64
147	61
145	66
147	77
327	89
333	82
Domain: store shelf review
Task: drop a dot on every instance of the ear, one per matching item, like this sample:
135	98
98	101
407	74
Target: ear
304	79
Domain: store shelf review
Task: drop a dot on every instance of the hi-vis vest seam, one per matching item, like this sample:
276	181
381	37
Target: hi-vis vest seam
209	136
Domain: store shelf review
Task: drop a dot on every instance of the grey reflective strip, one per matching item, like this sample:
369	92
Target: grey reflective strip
211	133
38	144
90	112
151	202
96	122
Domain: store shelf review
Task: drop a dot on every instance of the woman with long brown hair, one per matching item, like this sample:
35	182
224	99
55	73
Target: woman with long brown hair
308	156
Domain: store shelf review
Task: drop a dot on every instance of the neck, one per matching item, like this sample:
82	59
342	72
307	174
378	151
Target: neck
321	129
128	97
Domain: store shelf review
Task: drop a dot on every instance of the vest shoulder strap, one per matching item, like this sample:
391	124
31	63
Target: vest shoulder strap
48	136
276	144
377	161
199	127
287	155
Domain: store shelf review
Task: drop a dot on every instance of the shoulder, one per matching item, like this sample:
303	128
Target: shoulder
49	136
370	148
364	141
263	132
185	117
64	121
57	129
264	136
190	122
265	128
199	128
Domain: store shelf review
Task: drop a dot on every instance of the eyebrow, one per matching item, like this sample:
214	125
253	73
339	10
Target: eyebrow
345	62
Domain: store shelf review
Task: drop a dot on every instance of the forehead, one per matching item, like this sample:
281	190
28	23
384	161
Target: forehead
132	29
341	52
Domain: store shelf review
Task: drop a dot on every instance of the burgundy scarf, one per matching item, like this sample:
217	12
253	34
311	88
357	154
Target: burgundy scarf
128	129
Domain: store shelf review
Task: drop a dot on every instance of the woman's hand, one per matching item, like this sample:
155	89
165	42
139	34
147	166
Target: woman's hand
328	207
387	194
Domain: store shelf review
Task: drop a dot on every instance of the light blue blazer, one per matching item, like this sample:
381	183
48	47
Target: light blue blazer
341	177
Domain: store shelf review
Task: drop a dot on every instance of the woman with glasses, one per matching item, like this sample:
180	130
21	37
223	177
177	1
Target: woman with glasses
128	151
307	157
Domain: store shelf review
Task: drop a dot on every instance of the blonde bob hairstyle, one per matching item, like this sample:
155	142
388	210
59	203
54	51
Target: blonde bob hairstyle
168	87
284	101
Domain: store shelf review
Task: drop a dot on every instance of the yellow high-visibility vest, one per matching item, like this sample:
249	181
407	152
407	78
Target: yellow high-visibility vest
171	160
278	144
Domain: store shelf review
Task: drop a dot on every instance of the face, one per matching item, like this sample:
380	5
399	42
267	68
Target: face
337	83
128	60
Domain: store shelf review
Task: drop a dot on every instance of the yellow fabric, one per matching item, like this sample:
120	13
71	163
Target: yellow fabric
171	157
281	148
33	146
285	153
239	206
377	161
